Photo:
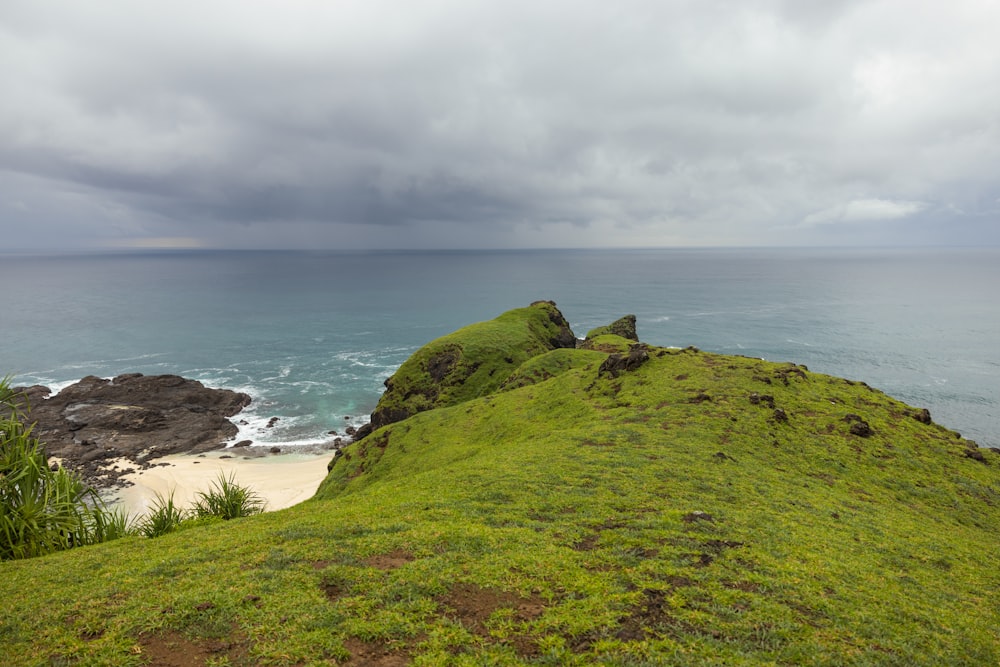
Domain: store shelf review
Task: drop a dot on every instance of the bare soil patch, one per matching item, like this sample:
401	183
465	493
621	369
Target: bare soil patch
391	560
172	649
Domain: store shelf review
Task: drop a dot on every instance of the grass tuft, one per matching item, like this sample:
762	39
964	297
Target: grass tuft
228	500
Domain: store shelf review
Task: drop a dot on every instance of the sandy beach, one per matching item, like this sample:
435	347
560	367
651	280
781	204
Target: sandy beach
283	480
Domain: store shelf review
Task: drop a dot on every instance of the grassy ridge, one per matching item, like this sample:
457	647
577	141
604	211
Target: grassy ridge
699	509
472	361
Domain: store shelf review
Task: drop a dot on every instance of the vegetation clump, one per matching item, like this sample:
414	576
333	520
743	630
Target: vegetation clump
228	500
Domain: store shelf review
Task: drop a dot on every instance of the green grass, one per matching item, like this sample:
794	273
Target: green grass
668	516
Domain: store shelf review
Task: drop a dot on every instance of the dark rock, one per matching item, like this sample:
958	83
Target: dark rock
243	443
271	422
759	399
617	363
922	415
275	450
350	430
861	429
442	363
131	416
780	415
624	327
364	431
564	337
975	454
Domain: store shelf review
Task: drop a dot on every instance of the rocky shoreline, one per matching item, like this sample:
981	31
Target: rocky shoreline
104	429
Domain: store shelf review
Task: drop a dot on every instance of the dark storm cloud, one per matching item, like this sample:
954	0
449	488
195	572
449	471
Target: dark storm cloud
643	122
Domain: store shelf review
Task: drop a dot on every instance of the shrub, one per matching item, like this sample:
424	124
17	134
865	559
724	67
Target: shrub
228	500
41	510
165	518
114	524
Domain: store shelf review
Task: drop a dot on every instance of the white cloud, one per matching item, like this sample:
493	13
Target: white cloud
864	210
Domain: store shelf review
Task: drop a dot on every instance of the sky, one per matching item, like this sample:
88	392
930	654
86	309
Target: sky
466	124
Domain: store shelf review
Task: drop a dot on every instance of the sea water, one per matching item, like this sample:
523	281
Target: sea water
312	336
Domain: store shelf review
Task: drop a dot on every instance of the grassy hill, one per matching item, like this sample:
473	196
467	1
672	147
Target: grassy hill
647	506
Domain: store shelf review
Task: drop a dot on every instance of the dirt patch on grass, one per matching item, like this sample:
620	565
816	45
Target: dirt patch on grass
375	654
589	543
172	649
651	612
472	606
391	560
652	616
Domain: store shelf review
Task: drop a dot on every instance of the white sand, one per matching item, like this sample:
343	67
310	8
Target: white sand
282	480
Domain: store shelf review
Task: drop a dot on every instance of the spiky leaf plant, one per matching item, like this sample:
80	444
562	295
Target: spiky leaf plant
166	517
228	500
41	509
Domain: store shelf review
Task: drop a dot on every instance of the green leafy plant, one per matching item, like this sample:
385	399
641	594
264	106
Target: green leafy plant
166	517
114	524
228	500
42	510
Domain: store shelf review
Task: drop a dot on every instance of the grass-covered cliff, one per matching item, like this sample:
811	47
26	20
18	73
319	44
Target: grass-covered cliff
644	506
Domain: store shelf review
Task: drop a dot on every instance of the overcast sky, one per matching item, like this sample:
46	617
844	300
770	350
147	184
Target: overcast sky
452	124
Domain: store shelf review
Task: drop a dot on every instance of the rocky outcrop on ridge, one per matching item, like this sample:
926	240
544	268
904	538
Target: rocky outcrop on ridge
91	424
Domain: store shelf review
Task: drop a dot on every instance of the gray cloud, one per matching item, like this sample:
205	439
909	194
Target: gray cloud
436	123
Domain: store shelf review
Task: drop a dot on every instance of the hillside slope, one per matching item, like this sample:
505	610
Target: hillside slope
649	507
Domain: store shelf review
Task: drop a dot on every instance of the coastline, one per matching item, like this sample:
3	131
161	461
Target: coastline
282	480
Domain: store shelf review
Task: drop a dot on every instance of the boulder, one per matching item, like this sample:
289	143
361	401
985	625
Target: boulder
618	363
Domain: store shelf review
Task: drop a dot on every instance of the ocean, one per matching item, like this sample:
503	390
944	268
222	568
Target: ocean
311	336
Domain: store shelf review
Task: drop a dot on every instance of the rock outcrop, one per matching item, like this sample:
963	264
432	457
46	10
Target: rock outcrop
90	424
615	364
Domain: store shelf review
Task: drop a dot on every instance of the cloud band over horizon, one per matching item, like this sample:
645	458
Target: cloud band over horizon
474	124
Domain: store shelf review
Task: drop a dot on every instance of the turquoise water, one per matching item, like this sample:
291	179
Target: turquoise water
312	336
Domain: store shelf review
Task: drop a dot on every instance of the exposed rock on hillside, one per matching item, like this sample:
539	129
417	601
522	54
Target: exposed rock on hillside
637	355
136	417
